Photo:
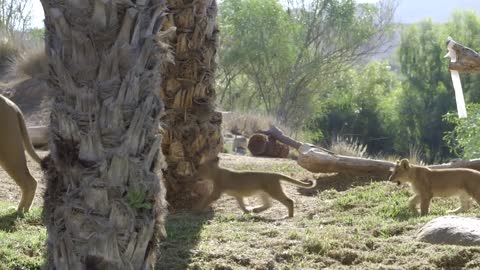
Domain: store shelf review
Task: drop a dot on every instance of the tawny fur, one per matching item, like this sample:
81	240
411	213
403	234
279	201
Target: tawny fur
14	141
240	184
428	183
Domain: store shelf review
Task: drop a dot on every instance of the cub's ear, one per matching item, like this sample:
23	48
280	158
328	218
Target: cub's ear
405	164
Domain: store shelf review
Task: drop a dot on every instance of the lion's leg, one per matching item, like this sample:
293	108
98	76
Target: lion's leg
424	205
28	193
476	196
28	185
266	203
465	204
278	194
241	203
205	202
13	160
413	202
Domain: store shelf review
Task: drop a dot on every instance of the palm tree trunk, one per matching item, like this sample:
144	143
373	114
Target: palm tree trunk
104	204
193	128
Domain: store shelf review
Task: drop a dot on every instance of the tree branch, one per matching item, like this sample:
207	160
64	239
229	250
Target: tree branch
468	60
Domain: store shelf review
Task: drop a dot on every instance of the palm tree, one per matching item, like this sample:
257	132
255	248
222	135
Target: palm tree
104	204
193	128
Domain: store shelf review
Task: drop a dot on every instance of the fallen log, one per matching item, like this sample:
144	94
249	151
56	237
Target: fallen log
319	160
38	135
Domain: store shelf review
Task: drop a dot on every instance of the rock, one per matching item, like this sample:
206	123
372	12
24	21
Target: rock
240	144
451	230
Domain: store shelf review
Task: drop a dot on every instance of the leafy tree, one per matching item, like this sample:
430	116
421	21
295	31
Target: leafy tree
15	15
428	91
464	139
279	60
426	95
357	106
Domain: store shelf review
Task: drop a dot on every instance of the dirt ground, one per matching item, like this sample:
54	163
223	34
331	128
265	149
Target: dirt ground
10	192
340	225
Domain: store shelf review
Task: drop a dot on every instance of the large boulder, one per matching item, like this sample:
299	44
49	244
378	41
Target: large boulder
451	230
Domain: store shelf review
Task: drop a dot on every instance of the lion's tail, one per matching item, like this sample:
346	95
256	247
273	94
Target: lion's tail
297	183
27	143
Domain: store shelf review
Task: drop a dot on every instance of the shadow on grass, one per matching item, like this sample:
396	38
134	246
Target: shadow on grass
247	218
8	221
183	235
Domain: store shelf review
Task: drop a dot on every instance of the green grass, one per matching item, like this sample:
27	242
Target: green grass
22	238
366	227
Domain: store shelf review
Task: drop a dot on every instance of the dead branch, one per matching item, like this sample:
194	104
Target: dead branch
319	160
468	60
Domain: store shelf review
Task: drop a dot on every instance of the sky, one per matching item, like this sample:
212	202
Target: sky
38	15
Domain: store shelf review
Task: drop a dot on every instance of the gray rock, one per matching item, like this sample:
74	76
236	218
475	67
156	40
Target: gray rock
451	230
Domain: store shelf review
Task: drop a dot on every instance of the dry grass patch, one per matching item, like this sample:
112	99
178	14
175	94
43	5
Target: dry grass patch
365	227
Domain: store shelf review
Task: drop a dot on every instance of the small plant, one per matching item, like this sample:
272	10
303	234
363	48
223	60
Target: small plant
348	147
316	245
8	52
136	198
249	123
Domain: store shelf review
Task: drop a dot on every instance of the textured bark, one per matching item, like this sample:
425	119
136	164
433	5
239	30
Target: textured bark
193	128
104	204
468	60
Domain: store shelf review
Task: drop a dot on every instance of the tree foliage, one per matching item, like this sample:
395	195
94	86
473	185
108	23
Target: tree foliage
304	63
15	15
426	95
428	92
464	139
360	105
278	59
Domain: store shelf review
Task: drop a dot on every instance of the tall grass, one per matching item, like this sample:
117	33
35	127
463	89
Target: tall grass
347	146
8	53
247	123
30	64
22	55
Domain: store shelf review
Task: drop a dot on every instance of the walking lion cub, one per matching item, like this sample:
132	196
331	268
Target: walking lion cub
240	184
428	183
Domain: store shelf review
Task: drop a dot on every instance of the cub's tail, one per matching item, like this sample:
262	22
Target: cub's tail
27	143
309	184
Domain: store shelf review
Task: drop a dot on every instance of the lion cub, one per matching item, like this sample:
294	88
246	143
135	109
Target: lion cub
240	184
428	183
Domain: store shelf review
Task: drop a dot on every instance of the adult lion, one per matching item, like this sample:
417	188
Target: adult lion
14	141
